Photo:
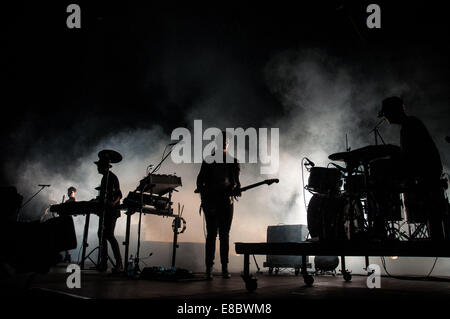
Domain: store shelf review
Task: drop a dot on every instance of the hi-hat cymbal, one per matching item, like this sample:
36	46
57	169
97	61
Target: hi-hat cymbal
110	156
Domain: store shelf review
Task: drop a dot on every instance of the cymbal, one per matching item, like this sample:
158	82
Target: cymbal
340	157
366	154
110	156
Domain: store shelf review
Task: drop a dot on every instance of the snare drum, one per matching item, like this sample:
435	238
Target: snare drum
324	180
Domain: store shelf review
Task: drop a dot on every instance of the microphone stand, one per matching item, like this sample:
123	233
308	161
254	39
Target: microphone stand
165	157
29	200
376	132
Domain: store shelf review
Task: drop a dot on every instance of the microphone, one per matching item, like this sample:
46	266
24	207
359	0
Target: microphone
44	185
309	162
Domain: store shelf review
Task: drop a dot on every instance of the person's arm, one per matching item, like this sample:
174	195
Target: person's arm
118	192
201	178
237	182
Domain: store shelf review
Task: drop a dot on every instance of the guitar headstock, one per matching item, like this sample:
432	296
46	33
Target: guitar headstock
271	181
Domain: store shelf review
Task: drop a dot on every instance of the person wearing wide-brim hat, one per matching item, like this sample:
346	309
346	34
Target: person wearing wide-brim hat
110	194
101	163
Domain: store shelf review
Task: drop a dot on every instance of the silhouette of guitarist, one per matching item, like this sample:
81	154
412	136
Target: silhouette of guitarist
218	184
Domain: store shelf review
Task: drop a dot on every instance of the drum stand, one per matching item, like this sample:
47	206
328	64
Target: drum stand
420	231
355	202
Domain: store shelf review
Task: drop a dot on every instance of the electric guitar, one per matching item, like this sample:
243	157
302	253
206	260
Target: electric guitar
204	196
264	182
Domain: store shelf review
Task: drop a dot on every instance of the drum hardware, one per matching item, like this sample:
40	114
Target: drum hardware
333	214
369	190
354	224
376	132
378	187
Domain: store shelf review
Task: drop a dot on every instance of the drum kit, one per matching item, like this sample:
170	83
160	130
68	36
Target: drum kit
359	200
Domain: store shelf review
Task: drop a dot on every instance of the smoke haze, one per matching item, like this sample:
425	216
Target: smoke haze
133	82
321	100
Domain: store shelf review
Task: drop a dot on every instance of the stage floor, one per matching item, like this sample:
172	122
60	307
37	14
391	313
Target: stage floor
281	286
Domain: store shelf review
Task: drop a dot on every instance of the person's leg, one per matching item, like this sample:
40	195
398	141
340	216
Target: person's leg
436	211
211	234
111	225
103	246
67	258
226	218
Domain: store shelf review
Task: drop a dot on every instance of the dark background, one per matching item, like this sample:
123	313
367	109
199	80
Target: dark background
135	65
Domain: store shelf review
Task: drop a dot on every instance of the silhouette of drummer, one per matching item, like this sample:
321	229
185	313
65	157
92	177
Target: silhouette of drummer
421	166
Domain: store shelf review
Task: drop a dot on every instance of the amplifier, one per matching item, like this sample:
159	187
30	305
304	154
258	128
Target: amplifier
285	234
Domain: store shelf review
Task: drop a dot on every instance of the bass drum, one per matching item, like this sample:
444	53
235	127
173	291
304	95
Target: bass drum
325	217
324	180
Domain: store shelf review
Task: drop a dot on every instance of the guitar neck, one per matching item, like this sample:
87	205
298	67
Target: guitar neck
246	188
